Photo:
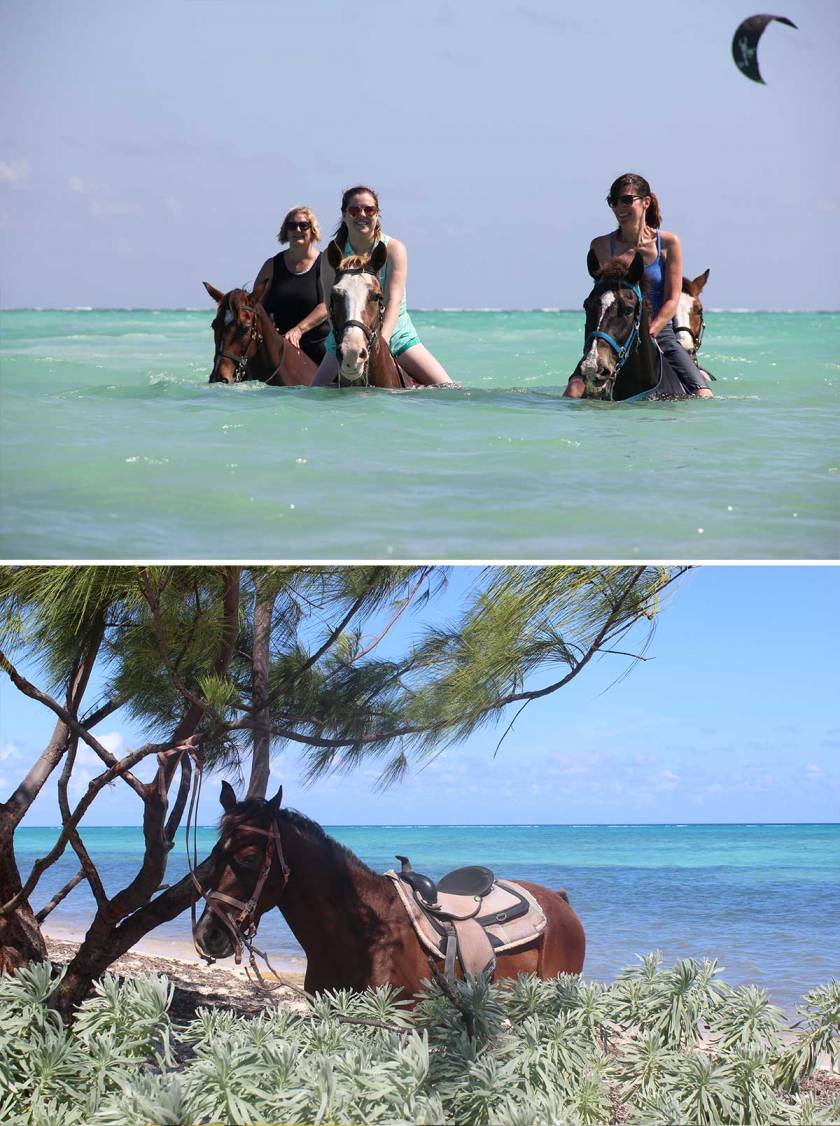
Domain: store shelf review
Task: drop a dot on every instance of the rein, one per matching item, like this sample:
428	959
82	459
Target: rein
243	926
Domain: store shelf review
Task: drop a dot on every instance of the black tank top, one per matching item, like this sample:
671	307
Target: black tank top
291	297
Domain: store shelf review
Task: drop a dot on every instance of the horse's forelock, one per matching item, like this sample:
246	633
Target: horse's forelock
617	269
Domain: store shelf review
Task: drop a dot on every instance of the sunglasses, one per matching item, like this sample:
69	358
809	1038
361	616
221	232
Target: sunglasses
303	225
356	210
613	201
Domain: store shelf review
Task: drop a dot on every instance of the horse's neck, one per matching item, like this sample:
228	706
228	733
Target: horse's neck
641	371
384	367
328	890
270	354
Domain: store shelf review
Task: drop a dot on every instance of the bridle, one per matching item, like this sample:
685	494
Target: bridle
623	350
241	361
371	334
243	926
696	338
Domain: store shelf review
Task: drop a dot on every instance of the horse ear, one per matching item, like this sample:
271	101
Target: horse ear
637	268
592	264
259	290
698	284
227	797
379	257
274	802
216	294
334	254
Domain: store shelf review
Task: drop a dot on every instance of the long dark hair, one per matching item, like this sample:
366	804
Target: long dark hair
341	232
632	181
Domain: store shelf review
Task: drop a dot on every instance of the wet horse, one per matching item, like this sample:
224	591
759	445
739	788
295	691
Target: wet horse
357	309
348	919
689	324
620	360
248	345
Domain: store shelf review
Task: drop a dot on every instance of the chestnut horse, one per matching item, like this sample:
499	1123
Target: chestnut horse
357	308
689	324
620	361
248	345
350	922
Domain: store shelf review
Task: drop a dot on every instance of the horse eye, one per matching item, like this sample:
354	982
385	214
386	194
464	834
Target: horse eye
249	860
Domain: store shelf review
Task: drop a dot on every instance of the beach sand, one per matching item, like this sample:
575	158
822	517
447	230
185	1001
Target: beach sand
196	984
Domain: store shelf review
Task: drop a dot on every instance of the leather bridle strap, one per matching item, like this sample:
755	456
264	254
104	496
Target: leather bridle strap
243	926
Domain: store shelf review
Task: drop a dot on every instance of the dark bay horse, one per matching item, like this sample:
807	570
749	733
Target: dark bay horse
357	308
349	920
248	345
620	361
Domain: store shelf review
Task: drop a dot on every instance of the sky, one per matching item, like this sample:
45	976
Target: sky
143	150
732	718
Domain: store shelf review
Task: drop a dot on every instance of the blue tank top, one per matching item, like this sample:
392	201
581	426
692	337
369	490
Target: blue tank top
654	275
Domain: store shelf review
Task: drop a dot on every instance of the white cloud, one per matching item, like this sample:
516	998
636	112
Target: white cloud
97	205
173	206
665	780
14	172
112	741
9	750
83	187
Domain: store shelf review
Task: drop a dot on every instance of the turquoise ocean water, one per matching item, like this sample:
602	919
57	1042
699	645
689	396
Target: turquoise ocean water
763	899
114	446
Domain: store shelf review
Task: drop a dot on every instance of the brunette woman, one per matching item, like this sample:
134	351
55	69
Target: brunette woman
637	213
359	231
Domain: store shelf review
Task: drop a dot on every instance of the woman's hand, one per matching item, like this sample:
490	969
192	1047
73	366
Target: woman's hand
293	336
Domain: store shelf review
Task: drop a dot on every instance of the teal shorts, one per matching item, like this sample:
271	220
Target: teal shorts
403	337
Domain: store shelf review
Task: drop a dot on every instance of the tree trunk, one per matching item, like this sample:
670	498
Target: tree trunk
261	755
21	940
94	957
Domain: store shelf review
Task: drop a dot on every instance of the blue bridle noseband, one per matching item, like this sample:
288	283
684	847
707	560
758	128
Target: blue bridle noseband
622	351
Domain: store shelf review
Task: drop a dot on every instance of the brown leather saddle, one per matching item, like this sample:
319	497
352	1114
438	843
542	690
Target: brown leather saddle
468	916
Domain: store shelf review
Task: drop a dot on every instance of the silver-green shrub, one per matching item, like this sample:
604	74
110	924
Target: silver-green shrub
664	1045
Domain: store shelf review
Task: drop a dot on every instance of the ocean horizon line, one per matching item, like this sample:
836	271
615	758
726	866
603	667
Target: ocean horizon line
517	825
413	309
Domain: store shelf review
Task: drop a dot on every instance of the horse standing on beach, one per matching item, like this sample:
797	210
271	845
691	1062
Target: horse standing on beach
349	920
357	309
248	345
620	361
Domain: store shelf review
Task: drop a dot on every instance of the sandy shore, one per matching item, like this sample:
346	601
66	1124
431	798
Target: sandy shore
196	983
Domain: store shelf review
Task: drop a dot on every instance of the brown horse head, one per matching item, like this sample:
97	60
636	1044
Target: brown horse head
249	873
613	318
356	309
236	332
688	319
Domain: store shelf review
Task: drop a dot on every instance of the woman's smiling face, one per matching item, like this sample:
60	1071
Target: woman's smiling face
361	213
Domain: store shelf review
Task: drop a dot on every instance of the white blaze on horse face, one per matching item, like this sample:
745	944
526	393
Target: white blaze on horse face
682	317
598	352
353	290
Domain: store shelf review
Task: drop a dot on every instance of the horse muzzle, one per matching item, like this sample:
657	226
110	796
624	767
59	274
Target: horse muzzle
212	938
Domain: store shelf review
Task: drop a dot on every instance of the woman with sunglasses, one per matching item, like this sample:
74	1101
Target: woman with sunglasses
293	297
359	232
636	210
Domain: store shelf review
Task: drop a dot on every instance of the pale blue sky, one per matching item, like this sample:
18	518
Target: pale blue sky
734	719
145	148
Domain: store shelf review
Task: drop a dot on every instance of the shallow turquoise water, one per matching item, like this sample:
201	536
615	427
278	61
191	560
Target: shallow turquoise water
764	899
114	446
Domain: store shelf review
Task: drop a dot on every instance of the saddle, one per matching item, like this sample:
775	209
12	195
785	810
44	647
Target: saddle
468	916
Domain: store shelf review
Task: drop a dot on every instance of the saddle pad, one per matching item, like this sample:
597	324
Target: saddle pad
503	934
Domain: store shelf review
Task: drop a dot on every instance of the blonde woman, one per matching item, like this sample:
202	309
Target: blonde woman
293	297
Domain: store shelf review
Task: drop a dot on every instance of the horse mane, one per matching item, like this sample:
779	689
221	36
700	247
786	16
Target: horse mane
616	270
355	262
252	810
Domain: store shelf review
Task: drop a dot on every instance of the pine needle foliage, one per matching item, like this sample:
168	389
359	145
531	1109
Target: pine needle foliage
562	1051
